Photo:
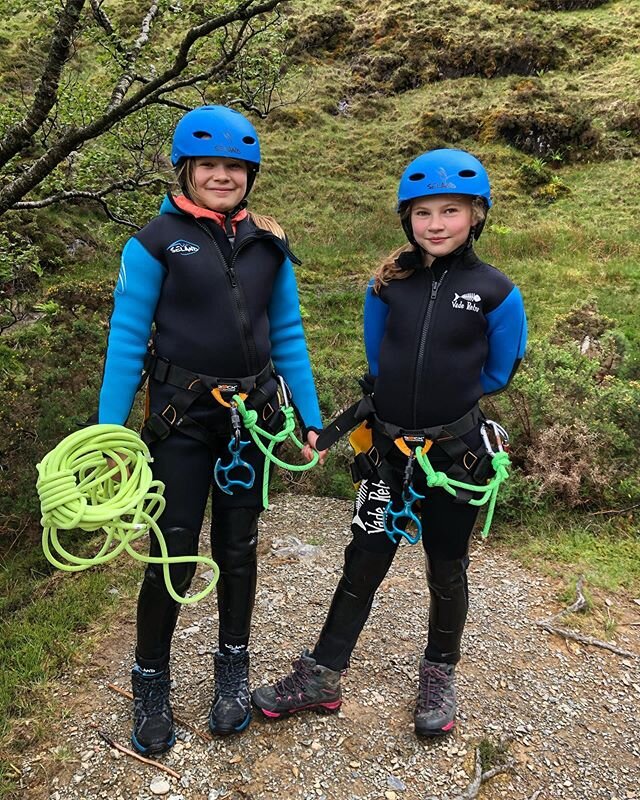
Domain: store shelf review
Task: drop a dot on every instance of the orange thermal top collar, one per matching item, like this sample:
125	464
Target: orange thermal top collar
186	205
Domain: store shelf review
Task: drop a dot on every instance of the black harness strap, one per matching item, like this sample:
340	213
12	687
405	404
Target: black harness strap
465	463
346	422
191	386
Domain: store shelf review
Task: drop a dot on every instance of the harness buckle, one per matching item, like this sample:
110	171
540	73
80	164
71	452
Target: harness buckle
161	369
156	428
224	392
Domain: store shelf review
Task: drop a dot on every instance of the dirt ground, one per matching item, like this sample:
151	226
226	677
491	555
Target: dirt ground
567	714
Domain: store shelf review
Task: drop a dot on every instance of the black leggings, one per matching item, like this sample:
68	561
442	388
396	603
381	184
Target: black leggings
446	527
185	466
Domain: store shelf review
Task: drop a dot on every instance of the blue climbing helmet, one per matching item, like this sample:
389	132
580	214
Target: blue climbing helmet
444	171
217	131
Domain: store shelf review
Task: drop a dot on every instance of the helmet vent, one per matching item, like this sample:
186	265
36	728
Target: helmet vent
202	135
467	173
248	140
417	176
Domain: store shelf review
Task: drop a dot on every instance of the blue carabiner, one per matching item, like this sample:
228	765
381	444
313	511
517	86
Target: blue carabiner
391	527
221	473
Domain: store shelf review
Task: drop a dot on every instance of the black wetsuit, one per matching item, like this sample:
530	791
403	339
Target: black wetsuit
436	342
217	305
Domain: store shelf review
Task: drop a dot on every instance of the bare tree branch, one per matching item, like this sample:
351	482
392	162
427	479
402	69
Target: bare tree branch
47	91
105	23
127	79
149	93
480	777
579	605
95	196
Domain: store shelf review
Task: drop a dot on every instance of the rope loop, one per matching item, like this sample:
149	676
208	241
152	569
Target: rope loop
249	420
100	477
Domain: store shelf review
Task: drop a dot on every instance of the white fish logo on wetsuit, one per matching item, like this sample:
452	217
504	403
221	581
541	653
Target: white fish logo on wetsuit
371	501
466	301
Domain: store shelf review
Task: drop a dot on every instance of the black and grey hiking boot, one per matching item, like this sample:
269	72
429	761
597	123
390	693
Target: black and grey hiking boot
436	705
309	686
231	707
152	715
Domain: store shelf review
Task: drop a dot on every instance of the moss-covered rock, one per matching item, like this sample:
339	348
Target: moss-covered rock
318	33
568	135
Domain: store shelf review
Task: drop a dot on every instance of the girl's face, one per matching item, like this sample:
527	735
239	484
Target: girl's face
220	183
441	223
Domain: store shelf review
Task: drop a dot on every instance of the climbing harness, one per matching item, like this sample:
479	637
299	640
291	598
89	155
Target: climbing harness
190	386
78	488
222	472
250	422
488	493
415	444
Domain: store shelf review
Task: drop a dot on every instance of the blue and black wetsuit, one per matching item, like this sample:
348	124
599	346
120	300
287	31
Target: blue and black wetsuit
436	342
214	303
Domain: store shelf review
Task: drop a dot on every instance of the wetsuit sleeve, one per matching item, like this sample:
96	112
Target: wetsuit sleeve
507	337
289	348
375	319
135	299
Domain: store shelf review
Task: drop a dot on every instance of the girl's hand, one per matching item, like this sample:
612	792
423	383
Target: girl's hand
111	464
309	448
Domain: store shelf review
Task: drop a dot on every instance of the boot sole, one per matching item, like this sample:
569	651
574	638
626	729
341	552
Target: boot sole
152	749
320	708
230	730
432	733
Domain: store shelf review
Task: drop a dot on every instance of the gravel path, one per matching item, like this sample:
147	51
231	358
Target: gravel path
568	714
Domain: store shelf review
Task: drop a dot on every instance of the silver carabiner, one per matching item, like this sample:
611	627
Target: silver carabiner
283	392
499	434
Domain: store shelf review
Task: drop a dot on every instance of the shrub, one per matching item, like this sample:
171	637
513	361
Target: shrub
576	423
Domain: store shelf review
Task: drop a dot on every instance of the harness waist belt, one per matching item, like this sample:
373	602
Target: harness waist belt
162	370
365	409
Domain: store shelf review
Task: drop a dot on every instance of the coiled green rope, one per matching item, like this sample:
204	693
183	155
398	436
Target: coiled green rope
489	492
250	421
79	489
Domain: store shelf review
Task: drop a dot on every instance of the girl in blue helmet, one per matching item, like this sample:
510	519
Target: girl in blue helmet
210	286
442	329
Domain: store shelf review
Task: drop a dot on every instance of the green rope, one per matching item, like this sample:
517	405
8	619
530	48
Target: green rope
250	422
78	489
489	492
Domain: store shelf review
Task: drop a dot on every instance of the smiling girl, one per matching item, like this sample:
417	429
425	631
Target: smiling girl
441	329
213	286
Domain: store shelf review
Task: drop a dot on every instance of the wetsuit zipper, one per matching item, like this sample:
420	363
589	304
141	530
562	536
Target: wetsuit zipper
248	343
426	324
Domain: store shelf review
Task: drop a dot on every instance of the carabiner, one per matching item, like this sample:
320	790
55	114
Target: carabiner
499	434
284	392
221	472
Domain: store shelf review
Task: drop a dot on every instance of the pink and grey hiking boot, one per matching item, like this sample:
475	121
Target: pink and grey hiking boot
309	687
436	705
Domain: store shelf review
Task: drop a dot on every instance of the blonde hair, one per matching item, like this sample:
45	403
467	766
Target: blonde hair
184	178
389	270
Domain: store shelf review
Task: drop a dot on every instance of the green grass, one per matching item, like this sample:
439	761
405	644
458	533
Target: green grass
606	553
43	638
51	631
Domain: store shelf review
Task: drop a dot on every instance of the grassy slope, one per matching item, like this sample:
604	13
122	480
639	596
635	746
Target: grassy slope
331	180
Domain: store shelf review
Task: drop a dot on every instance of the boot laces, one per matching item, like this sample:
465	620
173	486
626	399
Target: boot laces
434	684
231	676
297	681
153	695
